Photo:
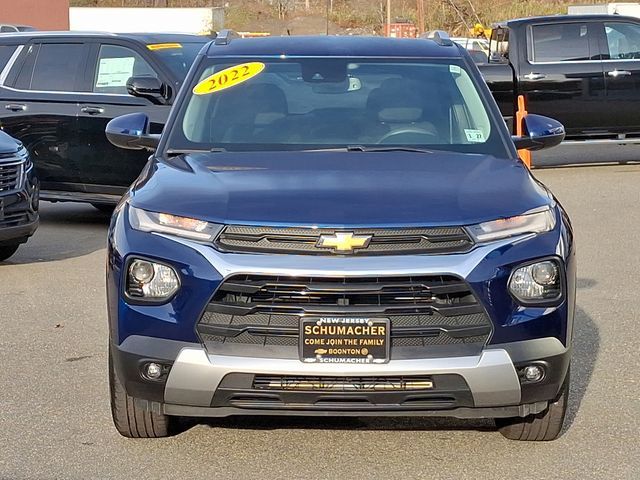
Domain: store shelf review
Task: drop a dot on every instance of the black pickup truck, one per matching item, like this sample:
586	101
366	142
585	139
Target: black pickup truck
581	70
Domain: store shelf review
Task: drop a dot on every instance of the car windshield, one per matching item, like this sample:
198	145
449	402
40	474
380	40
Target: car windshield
178	56
324	103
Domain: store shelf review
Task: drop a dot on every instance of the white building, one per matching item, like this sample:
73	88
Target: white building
617	8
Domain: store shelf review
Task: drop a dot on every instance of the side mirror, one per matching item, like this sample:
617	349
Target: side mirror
132	132
540	132
148	87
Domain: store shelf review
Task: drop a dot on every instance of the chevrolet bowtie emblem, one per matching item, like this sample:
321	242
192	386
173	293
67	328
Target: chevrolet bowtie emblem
344	241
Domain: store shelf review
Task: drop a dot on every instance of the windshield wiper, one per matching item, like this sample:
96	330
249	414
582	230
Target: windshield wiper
391	148
181	151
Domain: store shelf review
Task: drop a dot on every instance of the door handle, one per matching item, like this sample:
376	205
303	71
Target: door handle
15	107
535	76
92	110
619	73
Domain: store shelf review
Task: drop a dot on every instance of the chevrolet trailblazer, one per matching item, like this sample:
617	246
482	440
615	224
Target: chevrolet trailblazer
338	226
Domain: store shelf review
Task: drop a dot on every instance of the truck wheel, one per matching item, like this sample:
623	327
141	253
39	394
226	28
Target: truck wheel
130	420
543	426
7	250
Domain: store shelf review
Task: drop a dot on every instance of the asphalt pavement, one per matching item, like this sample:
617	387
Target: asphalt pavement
54	404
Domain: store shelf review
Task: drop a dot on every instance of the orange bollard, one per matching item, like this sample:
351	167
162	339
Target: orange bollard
525	155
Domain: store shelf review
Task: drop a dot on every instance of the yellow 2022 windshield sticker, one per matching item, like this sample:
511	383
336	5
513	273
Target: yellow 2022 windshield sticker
228	77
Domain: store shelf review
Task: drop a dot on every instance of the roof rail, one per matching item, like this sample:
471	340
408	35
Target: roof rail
225	36
440	37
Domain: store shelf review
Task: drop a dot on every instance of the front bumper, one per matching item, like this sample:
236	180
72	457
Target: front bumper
198	380
201	383
18	234
19	211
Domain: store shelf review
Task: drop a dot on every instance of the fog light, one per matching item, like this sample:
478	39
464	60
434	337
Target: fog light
533	373
153	370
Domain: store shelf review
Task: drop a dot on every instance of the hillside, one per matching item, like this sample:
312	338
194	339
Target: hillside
355	16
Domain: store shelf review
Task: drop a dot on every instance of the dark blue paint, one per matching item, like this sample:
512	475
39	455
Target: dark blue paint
176	320
340	188
311	46
337	189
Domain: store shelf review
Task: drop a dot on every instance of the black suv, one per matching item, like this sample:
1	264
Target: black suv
60	89
18	196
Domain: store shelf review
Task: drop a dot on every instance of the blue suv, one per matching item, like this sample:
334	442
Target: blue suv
338	226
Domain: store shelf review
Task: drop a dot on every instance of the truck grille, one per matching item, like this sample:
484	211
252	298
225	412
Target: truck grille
265	310
306	241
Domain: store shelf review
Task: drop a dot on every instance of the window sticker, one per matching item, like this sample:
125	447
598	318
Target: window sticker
114	72
455	68
474	136
228	78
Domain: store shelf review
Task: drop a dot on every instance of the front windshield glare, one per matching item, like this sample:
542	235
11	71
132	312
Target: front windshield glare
302	104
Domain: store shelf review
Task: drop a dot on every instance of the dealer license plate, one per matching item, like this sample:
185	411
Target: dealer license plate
344	340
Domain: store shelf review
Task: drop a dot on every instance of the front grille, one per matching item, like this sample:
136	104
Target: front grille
266	310
306	393
306	241
10	175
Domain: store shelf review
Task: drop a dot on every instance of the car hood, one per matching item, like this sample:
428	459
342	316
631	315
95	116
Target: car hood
8	144
339	188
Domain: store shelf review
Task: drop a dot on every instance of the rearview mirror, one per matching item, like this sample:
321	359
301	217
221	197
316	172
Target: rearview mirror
148	87
132	132
539	132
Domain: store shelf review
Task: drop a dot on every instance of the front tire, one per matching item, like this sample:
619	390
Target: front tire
130	420
7	250
543	426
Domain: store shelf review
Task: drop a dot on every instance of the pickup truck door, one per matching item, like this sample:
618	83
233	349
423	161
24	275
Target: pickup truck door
561	75
103	167
621	52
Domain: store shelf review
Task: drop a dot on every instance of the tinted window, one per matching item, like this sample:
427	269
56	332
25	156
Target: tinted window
23	80
115	66
312	103
177	56
8	28
623	40
53	67
5	54
562	42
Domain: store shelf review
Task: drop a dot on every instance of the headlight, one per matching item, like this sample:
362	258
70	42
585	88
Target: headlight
192	228
147	280
538	282
508	227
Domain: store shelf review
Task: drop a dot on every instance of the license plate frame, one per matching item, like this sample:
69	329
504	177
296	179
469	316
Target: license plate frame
346	346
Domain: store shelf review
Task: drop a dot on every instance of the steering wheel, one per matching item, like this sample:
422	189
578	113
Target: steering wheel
403	131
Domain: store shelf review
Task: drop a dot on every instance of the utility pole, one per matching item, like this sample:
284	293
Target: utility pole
328	16
420	16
